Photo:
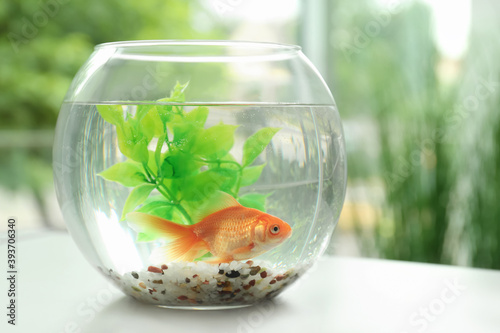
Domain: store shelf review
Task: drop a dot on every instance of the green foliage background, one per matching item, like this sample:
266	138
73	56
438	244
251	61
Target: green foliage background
430	168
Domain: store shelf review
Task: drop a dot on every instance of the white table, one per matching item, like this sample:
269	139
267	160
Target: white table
60	292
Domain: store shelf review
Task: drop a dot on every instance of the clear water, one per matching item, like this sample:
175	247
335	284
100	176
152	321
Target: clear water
304	172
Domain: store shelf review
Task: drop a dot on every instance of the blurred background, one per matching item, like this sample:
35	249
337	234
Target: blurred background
417	84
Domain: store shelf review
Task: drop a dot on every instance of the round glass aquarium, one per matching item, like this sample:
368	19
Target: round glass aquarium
200	174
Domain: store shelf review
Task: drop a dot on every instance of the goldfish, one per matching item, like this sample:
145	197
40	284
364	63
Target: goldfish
225	228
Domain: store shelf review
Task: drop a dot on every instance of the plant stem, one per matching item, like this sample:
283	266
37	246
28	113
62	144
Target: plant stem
148	173
172	198
184	212
218	162
166	193
238	182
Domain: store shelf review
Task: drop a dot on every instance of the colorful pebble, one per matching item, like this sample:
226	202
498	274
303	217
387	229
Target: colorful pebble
254	270
205	284
155	269
233	274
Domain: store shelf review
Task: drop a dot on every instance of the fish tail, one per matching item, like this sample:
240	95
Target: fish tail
184	244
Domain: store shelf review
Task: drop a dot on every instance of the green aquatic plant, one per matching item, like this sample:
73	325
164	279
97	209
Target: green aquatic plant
174	164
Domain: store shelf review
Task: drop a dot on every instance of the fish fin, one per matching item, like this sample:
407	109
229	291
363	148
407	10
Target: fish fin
178	251
198	249
243	249
219	201
183	245
157	226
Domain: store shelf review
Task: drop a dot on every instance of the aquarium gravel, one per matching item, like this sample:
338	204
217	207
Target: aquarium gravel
194	284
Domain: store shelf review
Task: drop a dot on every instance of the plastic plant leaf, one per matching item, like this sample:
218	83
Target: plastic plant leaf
215	141
165	113
127	173
152	162
166	212
201	186
151	124
254	200
111	113
177	94
153	198
160	208
136	197
151	206
251	174
179	164
231	177
257	143
184	135
122	142
144	237
227	161
143	110
131	144
207	255
198	116
140	151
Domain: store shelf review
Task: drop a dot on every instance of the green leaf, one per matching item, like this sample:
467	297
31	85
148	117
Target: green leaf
111	113
127	173
157	155
184	135
177	94
140	152
251	174
136	197
223	162
161	208
207	255
165	212
151	124
198	116
215	141
180	164
204	184
123	145
153	198
257	143
132	144
231	176
142	110
165	113
254	200
143	237
151	206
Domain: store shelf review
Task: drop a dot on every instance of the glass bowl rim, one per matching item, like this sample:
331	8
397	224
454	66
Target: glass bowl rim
271	46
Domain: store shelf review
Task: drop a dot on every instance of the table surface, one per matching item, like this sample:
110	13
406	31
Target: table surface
58	291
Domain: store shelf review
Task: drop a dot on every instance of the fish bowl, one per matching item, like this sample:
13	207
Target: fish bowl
200	174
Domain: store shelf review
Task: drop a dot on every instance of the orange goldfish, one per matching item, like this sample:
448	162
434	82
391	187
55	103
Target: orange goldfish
226	229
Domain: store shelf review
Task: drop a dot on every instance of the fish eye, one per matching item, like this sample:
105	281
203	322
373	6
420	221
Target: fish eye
275	229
